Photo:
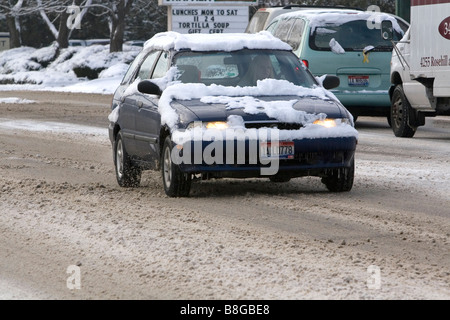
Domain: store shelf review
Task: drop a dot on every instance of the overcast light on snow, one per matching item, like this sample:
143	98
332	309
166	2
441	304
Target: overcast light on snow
33	69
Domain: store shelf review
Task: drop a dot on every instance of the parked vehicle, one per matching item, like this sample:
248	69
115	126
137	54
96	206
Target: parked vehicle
77	43
138	43
420	68
200	106
345	43
264	16
92	42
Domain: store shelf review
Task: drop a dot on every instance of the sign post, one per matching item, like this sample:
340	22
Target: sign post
208	16
4	41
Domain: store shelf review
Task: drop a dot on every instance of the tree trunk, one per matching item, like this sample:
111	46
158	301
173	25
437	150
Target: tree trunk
116	41
14	33
118	25
63	32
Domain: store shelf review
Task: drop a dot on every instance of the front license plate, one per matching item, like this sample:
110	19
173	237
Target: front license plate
358	81
281	150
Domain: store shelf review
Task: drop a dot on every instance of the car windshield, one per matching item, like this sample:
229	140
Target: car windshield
351	36
241	68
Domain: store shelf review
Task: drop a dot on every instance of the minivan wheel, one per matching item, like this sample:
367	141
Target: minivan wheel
400	108
340	180
176	183
127	174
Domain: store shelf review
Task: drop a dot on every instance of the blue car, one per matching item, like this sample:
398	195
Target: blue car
228	106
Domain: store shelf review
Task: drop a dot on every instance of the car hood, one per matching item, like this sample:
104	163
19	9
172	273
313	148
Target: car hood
196	110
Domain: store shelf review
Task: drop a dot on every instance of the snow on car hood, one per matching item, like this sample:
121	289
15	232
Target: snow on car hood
285	109
236	96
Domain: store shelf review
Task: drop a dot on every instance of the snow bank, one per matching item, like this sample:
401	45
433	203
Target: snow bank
14	100
28	68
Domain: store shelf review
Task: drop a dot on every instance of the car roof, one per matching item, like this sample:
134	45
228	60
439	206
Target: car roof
171	40
273	12
332	14
335	15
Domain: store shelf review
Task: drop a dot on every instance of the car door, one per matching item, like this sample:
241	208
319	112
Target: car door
126	120
131	104
148	118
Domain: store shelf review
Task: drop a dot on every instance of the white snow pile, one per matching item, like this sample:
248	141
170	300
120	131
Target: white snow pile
14	100
336	47
78	69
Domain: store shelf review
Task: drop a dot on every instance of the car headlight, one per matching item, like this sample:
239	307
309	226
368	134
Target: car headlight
330	123
219	125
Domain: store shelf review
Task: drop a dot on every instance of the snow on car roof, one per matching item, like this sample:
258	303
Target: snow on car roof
321	17
213	42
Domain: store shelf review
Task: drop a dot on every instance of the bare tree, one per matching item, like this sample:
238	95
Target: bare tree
12	11
59	11
118	11
120	8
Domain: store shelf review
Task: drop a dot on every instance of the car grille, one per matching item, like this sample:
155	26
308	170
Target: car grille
273	125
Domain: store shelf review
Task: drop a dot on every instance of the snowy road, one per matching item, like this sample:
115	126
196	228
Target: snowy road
389	238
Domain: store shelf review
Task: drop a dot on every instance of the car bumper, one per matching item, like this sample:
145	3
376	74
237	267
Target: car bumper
311	157
364	98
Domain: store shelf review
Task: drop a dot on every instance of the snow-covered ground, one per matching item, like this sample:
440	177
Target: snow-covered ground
27	68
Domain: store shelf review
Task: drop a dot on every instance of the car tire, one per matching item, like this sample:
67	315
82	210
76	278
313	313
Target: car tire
127	174
340	180
176	183
400	108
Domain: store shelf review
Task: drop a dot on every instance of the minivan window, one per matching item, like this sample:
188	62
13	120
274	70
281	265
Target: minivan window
257	22
352	36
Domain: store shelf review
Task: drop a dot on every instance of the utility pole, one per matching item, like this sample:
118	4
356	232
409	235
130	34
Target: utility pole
403	9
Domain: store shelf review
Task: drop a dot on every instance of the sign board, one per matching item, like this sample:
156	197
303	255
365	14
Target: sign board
208	19
4	41
203	2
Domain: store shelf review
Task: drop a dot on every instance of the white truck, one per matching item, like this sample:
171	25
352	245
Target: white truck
420	67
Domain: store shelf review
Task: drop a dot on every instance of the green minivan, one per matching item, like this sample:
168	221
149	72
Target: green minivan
346	43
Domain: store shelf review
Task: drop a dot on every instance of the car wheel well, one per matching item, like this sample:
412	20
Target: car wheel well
116	131
396	78
164	133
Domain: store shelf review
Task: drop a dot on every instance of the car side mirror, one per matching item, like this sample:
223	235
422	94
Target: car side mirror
331	82
148	87
387	31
